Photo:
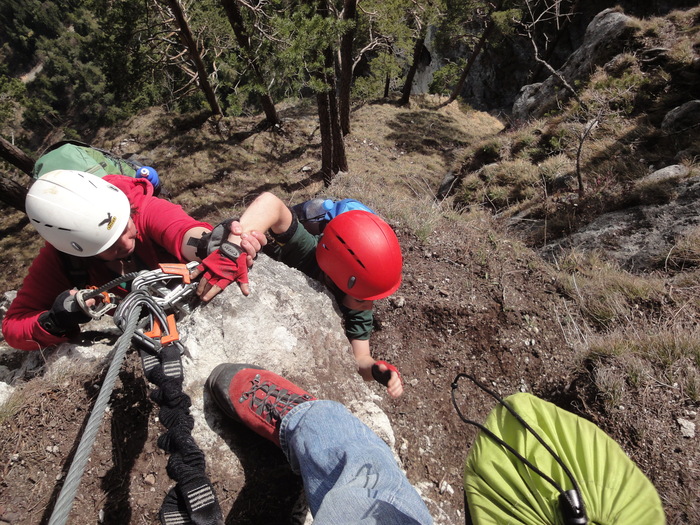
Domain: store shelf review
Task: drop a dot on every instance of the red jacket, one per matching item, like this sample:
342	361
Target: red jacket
161	228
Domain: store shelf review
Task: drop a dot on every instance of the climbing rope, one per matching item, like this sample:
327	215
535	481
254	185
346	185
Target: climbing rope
192	500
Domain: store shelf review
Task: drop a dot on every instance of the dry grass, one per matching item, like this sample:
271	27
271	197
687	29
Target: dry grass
11	406
642	355
607	295
686	252
645	334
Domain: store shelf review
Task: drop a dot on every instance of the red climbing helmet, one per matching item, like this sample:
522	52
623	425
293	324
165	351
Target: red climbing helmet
361	255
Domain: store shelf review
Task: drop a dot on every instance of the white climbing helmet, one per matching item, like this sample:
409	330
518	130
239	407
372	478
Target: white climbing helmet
78	213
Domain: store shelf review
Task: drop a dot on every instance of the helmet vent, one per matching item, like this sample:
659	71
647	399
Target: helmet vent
351	282
350	251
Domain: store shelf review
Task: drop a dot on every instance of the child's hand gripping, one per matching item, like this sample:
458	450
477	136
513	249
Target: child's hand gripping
389	376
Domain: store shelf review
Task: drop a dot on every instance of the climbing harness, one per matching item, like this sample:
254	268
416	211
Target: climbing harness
147	317
571	502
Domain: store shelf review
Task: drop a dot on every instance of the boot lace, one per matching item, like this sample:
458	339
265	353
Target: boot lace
276	401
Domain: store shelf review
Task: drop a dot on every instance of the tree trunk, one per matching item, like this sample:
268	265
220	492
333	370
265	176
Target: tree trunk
15	156
474	54
417	52
196	56
12	193
349	14
237	24
333	158
340	161
324	120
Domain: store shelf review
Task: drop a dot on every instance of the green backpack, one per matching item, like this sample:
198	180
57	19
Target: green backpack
74	155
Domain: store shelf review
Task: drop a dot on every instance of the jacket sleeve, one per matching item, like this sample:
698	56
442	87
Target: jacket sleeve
45	280
166	224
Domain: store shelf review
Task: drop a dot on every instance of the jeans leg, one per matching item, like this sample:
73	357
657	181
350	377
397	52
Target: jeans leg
350	474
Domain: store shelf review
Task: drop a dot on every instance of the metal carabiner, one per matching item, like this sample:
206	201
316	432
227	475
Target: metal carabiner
170	298
106	303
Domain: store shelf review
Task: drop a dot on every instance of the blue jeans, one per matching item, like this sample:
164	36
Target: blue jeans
350	474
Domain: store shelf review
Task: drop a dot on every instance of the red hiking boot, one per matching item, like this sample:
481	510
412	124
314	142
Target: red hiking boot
255	397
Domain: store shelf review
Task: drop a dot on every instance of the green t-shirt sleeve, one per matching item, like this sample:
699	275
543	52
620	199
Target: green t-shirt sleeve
358	323
300	252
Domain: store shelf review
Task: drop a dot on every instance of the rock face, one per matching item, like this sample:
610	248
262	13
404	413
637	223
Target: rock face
605	37
288	324
682	118
640	237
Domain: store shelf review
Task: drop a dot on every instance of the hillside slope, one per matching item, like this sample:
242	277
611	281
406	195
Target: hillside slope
473	300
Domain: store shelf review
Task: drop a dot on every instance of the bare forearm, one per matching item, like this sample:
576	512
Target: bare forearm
266	212
365	362
363	358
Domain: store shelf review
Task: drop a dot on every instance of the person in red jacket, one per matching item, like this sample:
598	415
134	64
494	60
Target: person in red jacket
108	227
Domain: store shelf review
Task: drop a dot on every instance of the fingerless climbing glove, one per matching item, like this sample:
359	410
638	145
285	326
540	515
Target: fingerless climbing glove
384	377
65	315
220	270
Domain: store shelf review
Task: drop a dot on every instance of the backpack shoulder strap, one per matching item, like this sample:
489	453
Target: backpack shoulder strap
76	269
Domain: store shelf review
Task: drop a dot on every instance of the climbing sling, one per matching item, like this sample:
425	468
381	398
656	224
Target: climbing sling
533	463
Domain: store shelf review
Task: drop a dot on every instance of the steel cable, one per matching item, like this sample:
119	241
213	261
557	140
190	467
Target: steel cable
64	503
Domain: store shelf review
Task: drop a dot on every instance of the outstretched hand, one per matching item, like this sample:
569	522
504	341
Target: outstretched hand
251	242
218	272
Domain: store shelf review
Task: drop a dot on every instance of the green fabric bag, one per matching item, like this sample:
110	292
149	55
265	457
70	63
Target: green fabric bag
501	490
73	155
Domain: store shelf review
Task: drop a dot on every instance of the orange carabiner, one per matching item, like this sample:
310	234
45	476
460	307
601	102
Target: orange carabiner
156	331
173	334
176	269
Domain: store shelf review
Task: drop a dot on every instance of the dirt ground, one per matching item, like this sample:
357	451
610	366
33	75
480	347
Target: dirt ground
472	300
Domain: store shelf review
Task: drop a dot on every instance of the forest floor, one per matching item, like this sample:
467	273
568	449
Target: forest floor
474	299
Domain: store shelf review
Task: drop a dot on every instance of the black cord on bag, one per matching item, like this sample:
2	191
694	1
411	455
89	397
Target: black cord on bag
570	501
